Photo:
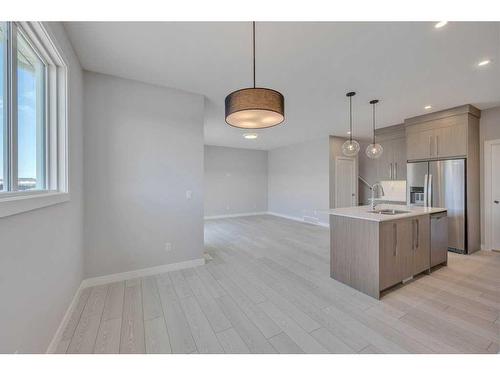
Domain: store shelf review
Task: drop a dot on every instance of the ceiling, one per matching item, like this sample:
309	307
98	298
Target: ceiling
406	65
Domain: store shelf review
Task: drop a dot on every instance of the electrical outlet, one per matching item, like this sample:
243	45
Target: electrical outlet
168	247
189	194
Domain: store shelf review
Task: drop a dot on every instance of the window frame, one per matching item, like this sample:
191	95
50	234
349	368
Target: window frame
56	184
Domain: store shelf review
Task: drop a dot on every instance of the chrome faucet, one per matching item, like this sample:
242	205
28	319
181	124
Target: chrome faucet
372	188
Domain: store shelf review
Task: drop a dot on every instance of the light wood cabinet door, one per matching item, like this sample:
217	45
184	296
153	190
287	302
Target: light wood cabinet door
404	249
451	141
384	162
421	244
389	260
398	147
420	145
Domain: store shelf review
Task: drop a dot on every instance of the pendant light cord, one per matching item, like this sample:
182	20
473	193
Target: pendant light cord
350	118
253	41
373	123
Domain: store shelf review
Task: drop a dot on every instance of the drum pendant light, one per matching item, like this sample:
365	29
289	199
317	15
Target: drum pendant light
374	150
350	147
255	107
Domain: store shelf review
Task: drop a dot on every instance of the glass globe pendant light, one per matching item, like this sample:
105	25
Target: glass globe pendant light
374	150
350	147
254	107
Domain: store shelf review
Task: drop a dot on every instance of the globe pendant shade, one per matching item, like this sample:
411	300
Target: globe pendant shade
350	147
374	150
255	108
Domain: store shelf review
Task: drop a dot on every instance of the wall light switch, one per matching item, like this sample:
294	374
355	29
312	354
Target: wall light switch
189	194
168	247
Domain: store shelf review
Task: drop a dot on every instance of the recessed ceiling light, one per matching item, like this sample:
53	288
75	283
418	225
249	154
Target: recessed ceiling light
428	107
484	62
250	135
348	132
440	24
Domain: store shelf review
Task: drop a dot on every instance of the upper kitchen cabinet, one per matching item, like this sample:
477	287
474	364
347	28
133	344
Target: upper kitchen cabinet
441	135
392	163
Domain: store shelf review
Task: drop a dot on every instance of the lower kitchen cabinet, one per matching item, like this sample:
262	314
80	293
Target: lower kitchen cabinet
404	249
421	248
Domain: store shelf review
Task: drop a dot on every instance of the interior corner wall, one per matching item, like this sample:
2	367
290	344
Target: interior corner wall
235	181
489	129
143	160
298	180
41	253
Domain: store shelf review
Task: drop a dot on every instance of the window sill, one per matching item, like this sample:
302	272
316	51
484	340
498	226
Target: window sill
17	204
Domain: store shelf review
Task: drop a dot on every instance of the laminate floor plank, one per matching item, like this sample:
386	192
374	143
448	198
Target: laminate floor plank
151	299
284	344
265	324
203	334
212	311
180	285
132	331
83	340
156	336
249	333
69	329
231	342
108	337
303	339
113	307
181	339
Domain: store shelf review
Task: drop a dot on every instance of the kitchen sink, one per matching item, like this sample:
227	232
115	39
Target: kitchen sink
389	212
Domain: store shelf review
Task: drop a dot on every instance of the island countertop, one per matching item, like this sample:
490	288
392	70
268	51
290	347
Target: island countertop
364	212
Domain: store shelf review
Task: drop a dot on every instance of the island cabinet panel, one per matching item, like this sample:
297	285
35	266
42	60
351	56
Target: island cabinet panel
396	255
421	244
360	268
390	269
404	248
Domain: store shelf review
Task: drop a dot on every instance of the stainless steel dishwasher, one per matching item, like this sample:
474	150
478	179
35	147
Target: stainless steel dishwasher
439	238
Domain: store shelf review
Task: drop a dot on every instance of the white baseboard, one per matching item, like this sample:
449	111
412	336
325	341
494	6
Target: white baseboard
106	279
100	280
235	215
319	223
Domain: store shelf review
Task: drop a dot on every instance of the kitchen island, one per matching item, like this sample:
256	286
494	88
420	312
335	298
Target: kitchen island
373	250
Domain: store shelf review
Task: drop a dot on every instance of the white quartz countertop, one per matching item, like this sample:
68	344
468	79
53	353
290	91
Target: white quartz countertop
363	212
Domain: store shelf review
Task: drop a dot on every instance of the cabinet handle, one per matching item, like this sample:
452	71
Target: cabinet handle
437	145
390	171
418	231
430	145
413	234
395	233
395	171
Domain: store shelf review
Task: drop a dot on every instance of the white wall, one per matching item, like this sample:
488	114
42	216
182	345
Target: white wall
41	259
143	150
298	179
489	129
235	181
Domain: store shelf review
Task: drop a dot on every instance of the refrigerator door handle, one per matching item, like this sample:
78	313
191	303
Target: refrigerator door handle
429	191
426	178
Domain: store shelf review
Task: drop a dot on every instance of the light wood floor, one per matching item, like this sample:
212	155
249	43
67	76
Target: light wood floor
267	290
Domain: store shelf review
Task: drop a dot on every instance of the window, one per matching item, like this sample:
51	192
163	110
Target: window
33	152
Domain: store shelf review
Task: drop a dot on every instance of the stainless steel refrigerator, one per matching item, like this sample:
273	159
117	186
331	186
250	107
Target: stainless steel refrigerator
441	183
